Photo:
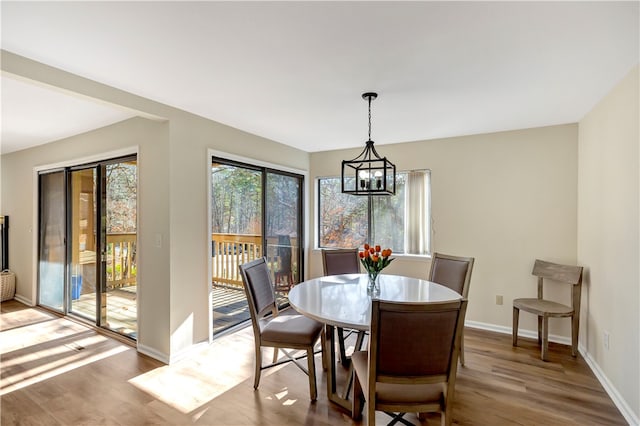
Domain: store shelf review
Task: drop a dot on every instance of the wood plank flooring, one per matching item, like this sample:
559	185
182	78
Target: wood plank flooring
230	307
57	372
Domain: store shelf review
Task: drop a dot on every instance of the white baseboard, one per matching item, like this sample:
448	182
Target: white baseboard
170	359
160	356
23	299
531	334
613	393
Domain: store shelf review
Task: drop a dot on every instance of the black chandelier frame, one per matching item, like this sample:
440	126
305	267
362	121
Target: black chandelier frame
368	173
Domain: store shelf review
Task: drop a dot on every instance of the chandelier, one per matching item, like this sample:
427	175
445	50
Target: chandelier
368	173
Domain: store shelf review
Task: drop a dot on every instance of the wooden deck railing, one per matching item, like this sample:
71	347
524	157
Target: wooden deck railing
230	250
122	266
227	252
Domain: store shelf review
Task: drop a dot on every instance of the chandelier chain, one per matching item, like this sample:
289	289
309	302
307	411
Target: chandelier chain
369	117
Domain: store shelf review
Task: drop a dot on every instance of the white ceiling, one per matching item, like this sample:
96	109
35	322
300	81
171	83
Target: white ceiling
294	71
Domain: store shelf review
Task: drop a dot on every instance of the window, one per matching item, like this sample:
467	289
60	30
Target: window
400	221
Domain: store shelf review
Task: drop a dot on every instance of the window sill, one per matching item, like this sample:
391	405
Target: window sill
407	257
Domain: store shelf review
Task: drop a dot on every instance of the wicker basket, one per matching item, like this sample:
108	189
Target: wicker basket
7	285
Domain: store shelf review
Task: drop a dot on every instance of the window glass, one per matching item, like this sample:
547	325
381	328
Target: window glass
343	218
388	218
400	221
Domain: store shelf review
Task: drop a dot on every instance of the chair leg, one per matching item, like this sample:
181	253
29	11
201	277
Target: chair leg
371	413
359	341
258	367
323	352
343	352
358	346
575	323
516	316
540	331
446	415
313	391
358	398
545	336
462	349
275	355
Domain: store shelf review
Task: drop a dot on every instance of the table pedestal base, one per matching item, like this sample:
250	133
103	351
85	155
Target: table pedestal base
332	393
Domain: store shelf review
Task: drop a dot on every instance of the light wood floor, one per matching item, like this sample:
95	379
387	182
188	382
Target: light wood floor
57	372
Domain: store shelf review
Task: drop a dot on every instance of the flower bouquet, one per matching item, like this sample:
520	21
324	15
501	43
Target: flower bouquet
374	261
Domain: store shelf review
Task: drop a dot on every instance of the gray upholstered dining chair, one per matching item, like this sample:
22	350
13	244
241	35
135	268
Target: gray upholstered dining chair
336	262
413	371
453	272
546	309
278	329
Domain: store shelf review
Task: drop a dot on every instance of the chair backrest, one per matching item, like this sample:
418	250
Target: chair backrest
561	273
258	288
452	271
426	351
340	261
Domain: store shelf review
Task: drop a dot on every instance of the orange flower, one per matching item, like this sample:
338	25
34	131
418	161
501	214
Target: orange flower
374	258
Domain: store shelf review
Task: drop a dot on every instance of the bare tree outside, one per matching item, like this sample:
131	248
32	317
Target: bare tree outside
122	197
348	221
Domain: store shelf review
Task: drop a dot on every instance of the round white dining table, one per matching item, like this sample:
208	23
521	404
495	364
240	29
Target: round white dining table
343	301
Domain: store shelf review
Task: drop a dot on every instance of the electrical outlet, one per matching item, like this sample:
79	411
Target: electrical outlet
605	340
498	300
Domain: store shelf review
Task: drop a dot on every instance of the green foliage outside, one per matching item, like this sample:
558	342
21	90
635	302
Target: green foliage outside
236	202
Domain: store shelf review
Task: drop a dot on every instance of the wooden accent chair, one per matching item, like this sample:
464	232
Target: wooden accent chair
453	272
283	329
545	309
336	262
411	371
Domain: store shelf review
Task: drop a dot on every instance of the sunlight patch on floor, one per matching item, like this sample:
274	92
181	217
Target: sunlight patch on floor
48	370
189	384
179	388
22	318
45	346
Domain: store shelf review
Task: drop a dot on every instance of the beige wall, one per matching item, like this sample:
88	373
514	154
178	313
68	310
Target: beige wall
174	167
504	198
190	168
608	236
19	183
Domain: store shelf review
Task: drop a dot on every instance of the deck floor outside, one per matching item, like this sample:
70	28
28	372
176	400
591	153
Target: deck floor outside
230	308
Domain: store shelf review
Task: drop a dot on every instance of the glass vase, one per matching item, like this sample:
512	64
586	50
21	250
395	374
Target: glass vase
373	286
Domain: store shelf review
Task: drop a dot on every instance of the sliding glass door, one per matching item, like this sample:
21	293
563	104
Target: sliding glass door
86	238
255	212
87	264
52	240
118	309
283	217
